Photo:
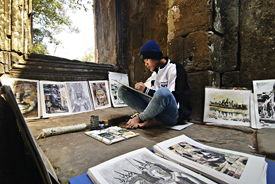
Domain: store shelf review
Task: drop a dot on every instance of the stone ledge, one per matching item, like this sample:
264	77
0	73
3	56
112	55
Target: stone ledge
266	144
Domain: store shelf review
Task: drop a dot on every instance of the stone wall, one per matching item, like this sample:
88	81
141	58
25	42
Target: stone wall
15	32
220	43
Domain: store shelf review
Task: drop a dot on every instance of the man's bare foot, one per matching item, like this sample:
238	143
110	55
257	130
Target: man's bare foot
135	123
155	121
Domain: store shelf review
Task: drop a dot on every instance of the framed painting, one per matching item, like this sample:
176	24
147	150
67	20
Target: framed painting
114	86
264	96
100	94
26	93
54	99
79	96
225	106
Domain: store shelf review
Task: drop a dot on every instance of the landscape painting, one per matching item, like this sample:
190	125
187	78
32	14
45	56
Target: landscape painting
54	99
26	93
114	86
100	94
264	95
226	106
79	96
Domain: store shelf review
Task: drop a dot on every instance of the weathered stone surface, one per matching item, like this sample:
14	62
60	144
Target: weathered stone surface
231	79
197	82
105	31
224	52
175	50
5	28
140	72
266	144
17	39
257	35
155	23
197	52
185	17
226	16
221	137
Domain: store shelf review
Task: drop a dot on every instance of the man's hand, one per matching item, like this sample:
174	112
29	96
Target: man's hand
140	86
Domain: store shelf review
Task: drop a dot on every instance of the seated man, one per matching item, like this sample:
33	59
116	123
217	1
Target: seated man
170	102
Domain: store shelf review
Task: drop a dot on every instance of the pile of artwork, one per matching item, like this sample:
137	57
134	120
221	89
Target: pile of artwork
184	161
242	107
50	98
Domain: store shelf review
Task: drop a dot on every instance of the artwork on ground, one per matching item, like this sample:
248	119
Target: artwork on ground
79	96
229	164
54	99
114	86
225	106
26	93
141	166
264	98
100	94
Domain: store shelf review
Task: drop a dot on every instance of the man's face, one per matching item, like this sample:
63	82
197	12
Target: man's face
151	64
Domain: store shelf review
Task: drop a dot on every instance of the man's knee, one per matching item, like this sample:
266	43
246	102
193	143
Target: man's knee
163	93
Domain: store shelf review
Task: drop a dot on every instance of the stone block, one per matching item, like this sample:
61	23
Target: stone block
226	16
197	82
266	144
231	79
185	17
155	23
197	52
136	35
257	45
141	73
224	52
176	50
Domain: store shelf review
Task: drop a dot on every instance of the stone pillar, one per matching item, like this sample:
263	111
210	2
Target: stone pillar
15	32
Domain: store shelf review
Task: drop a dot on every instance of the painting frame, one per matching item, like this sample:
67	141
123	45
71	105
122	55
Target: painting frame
227	106
27	95
79	94
100	94
114	86
54	99
264	92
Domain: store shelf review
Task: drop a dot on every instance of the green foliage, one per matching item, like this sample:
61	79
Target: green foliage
39	49
89	55
50	18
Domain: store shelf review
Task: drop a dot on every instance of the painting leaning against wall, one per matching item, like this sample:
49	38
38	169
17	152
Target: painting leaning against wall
54	99
114	86
100	94
26	93
226	106
79	96
264	97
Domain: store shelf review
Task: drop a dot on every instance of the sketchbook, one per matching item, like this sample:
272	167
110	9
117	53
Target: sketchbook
111	135
221	165
133	89
142	166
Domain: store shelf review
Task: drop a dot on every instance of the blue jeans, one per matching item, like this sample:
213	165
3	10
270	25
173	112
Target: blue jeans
163	104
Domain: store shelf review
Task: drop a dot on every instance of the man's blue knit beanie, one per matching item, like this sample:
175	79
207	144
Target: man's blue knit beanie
150	50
